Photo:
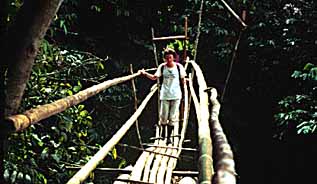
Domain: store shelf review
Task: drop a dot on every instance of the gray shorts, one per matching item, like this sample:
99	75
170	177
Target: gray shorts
169	112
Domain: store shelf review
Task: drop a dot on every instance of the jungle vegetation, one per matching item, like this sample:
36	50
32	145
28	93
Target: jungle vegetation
53	48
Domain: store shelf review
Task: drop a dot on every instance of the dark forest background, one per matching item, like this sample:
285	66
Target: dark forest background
269	107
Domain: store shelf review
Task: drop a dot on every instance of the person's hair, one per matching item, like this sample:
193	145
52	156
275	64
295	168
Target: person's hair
169	51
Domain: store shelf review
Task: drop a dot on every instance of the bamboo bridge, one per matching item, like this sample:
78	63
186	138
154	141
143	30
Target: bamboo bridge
156	163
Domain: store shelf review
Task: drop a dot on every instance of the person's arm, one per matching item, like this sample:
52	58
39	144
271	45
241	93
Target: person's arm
148	75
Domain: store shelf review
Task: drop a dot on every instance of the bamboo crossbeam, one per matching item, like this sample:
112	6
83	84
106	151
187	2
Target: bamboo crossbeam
169	37
171	147
205	162
225	166
133	181
20	122
127	171
148	150
84	172
162	154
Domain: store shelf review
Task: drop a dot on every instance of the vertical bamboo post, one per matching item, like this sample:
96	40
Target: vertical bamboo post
184	62
195	46
158	129
136	107
232	59
185	40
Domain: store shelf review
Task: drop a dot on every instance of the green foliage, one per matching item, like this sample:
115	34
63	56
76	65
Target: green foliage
300	110
40	154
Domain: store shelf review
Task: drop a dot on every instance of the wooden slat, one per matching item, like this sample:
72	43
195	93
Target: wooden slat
123	176
155	166
140	164
170	167
163	167
147	169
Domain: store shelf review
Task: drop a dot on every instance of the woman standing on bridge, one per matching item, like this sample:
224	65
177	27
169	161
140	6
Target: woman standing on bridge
173	75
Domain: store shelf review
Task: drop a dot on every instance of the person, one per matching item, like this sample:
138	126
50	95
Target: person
173	75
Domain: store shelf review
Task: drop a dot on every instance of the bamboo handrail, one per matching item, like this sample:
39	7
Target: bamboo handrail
169	37
20	122
84	172
225	171
205	162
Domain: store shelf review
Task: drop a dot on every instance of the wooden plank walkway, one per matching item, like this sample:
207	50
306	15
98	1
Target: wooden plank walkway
155	164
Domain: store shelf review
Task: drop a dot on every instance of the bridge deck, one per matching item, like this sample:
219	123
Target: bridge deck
156	163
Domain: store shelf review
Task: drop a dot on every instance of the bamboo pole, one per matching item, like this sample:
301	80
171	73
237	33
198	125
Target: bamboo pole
140	164
184	41
231	66
225	171
173	147
135	108
195	99
198	29
163	166
158	127
147	168
123	176
84	172
234	14
154	48
20	122
155	167
232	59
195	47
205	163
129	170
169	38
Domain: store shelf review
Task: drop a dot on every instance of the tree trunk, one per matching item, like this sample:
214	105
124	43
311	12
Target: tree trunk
22	44
19	46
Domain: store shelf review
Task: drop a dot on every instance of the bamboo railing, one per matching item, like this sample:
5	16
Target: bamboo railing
20	122
84	172
225	171
161	160
205	162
